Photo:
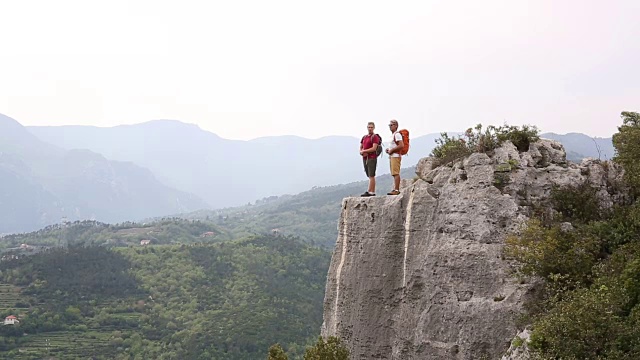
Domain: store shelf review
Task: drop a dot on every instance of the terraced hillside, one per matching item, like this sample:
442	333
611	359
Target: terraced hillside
222	300
65	345
12	298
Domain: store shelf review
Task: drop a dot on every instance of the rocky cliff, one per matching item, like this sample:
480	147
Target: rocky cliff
421	275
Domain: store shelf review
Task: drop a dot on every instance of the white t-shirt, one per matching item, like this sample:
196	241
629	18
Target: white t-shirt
397	137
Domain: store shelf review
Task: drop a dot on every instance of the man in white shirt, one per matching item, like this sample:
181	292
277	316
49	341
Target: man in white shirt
394	148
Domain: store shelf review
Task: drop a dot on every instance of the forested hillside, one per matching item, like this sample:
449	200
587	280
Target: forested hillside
311	215
162	231
223	300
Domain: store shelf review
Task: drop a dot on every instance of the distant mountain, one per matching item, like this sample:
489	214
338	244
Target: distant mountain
231	173
579	146
40	183
227	172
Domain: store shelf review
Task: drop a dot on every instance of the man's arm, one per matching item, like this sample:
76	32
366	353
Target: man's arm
399	145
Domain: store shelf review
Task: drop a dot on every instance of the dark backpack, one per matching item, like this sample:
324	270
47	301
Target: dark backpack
379	148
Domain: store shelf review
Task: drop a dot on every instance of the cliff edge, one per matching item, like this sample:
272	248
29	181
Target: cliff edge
421	275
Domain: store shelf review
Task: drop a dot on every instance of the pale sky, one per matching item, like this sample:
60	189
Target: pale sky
245	69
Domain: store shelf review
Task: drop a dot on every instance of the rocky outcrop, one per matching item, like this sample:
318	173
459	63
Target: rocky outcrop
421	275
519	349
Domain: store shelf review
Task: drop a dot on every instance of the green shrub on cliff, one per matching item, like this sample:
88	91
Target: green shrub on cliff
476	139
449	149
332	349
558	256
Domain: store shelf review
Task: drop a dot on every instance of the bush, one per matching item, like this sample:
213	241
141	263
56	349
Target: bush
520	137
586	325
594	319
599	321
622	226
277	353
501	180
577	203
449	149
565	259
333	349
480	141
476	139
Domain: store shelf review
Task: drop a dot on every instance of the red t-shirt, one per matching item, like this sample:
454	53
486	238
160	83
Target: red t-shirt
367	142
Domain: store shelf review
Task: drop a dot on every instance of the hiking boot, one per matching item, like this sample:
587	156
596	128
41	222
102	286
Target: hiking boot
366	193
394	192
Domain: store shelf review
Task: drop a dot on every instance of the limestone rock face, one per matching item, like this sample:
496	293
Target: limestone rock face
421	275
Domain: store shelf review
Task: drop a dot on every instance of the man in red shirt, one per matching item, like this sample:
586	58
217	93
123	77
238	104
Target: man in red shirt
368	146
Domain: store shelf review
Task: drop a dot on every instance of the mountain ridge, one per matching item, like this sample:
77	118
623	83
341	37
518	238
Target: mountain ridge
44	183
261	167
227	172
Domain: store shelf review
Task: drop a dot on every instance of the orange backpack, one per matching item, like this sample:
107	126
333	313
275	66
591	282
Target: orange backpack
405	141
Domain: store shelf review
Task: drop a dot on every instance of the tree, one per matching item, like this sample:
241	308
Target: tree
277	353
333	349
627	144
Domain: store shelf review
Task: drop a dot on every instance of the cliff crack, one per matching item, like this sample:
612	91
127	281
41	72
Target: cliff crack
407	234
343	255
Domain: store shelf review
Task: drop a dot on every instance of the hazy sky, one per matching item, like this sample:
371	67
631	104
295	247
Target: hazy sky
245	69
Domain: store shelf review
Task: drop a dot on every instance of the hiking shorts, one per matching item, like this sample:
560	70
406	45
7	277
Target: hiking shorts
395	165
370	165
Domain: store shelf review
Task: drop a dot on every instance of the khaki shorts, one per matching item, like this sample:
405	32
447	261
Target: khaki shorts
395	165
